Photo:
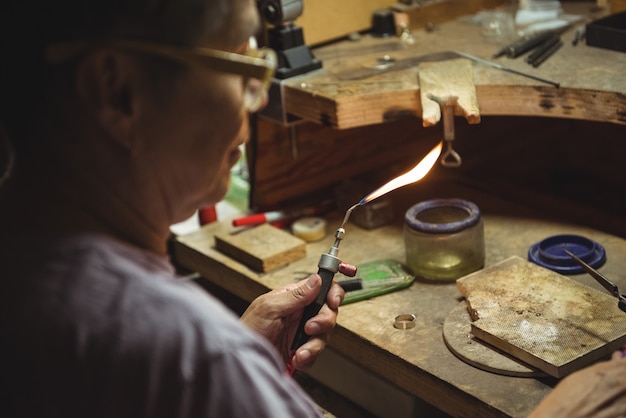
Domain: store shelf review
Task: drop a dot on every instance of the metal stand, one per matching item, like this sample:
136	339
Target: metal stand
294	56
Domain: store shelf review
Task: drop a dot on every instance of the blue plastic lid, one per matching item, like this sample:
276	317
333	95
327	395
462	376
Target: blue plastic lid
549	253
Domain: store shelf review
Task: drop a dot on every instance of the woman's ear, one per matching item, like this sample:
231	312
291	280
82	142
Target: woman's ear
105	85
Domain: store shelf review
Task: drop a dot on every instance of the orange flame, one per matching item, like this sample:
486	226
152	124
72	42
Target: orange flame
415	174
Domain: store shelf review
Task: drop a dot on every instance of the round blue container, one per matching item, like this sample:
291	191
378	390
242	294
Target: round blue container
549	253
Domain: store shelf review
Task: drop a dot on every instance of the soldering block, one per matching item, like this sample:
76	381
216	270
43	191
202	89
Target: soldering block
263	248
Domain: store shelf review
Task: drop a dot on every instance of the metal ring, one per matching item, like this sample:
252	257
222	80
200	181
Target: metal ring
404	321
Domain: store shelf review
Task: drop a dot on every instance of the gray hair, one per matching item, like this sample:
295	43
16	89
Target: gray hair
29	26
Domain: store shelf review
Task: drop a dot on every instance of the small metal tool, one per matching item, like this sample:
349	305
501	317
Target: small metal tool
400	64
449	158
579	35
510	70
606	283
541	49
524	44
360	284
546	54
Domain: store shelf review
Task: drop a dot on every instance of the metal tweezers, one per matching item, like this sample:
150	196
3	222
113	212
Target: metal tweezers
606	283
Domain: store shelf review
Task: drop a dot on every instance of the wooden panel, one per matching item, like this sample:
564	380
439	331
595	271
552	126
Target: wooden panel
567	169
324	20
310	158
443	11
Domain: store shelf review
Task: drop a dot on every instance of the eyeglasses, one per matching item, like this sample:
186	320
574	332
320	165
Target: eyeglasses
257	65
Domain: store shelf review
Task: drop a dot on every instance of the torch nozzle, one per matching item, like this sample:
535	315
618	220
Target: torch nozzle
347	215
339	234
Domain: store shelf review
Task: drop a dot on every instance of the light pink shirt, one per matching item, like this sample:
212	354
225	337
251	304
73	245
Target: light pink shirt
90	327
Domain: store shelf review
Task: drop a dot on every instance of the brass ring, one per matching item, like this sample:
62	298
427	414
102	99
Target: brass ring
404	321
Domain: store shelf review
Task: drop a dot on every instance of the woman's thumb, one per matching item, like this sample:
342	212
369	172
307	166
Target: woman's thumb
307	291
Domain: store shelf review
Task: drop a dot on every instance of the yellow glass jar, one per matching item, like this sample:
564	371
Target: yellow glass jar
444	239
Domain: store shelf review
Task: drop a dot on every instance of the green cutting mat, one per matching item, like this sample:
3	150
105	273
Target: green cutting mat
382	277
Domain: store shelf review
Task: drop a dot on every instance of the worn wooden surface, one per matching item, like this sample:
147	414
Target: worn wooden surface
416	360
591	79
543	318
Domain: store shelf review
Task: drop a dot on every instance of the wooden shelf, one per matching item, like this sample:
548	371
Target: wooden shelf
592	85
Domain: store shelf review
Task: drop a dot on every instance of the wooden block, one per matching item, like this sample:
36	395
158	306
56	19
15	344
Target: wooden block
263	248
444	79
543	318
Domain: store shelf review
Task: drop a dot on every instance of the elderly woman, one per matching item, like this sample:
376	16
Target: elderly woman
124	117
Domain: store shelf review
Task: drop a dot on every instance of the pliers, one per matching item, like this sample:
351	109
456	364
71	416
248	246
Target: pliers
606	283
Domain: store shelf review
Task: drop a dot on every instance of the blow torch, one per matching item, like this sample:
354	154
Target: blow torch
330	264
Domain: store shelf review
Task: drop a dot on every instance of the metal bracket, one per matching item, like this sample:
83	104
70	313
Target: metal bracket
449	158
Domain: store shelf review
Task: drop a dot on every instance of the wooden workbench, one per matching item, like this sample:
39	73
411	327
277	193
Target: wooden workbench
592	85
290	162
415	360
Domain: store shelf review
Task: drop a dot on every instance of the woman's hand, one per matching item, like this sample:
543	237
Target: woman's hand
597	391
276	316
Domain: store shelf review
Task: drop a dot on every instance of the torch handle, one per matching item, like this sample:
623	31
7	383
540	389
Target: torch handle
313	308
